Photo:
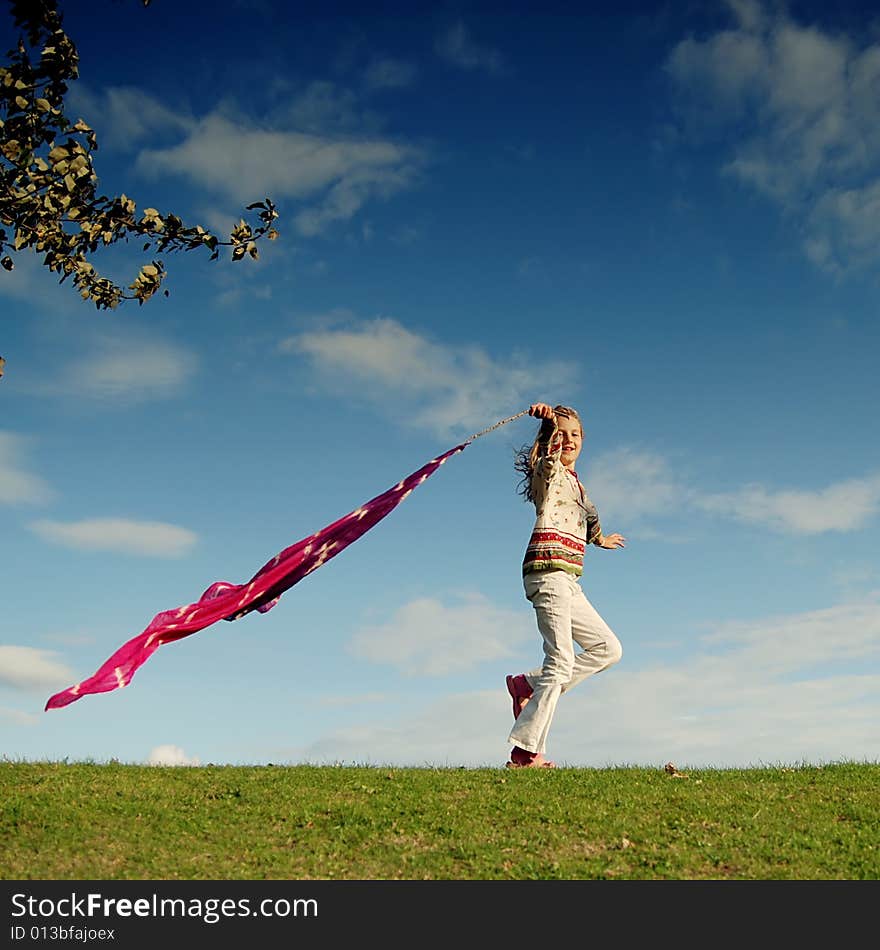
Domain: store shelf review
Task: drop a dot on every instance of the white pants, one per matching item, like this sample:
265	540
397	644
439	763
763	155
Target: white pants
565	618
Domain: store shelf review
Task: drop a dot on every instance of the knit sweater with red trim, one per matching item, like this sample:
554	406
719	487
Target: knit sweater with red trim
565	519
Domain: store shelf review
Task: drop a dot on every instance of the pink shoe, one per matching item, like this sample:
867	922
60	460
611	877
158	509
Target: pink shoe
520	691
520	759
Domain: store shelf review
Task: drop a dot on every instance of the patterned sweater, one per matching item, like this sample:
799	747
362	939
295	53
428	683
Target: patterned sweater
566	520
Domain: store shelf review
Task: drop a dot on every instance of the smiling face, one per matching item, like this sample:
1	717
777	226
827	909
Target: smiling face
571	437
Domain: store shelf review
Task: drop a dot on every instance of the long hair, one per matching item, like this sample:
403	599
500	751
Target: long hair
527	457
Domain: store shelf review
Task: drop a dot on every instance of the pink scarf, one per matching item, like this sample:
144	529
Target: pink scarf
225	601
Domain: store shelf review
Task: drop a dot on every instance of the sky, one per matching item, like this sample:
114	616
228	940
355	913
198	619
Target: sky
662	214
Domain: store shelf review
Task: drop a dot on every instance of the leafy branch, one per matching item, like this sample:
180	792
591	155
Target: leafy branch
49	201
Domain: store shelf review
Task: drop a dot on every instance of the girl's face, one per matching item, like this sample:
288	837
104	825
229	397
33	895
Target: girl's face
571	438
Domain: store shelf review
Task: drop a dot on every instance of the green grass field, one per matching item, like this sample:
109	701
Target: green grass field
84	821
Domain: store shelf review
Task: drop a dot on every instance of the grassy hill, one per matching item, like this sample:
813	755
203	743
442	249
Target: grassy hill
86	821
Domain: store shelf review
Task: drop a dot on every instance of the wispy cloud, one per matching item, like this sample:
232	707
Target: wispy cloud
338	174
113	366
419	380
844	506
140	371
31	669
457	46
149	538
17	484
450	638
803	105
636	484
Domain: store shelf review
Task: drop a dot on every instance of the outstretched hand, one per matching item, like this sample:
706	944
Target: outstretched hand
613	541
541	410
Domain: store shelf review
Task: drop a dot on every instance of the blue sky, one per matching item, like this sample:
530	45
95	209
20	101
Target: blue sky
662	214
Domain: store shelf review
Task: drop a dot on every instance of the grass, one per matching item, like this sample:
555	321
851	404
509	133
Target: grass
86	821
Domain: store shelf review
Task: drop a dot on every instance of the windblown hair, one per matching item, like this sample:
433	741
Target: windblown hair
527	457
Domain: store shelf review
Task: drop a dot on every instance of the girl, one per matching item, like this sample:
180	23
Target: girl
566	521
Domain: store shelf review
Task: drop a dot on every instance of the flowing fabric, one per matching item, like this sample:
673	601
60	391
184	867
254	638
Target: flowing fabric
225	601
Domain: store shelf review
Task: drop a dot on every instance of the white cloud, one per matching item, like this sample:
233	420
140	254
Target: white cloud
17	484
420	381
457	46
29	668
170	755
244	163
115	367
803	106
426	637
845	506
150	538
